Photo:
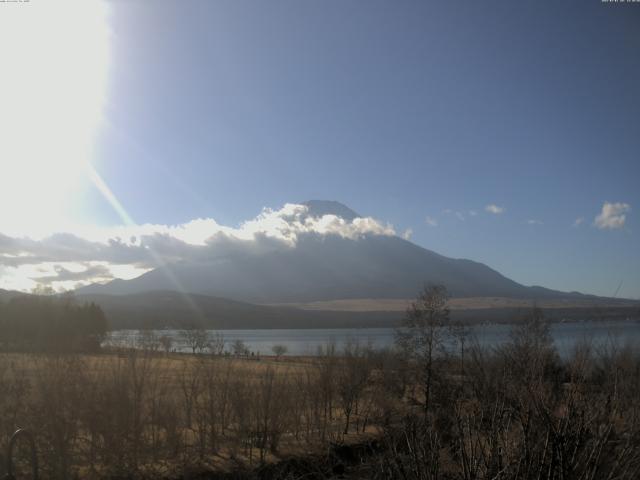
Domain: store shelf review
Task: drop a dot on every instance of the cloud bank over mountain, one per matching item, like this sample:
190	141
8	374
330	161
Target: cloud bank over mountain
86	255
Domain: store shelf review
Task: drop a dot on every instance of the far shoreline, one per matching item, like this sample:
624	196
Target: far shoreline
341	320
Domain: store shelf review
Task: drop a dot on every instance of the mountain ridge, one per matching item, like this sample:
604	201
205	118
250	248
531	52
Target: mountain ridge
322	267
331	268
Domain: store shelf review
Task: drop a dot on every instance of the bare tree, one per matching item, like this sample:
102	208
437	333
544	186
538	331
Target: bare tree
422	333
530	349
279	350
196	339
166	342
239	348
352	379
325	387
461	333
148	340
216	344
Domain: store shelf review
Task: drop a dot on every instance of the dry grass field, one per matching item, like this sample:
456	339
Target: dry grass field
463	303
433	412
145	413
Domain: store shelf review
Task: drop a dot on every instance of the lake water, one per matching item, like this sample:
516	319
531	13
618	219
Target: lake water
306	341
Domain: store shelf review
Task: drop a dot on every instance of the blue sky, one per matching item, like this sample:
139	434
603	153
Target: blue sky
404	111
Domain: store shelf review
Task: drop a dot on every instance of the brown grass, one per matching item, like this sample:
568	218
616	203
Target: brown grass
143	413
466	303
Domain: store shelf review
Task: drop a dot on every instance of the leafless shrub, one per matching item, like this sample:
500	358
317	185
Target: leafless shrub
279	350
215	344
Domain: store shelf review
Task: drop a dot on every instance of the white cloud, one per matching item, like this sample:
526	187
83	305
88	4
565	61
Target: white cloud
407	233
458	215
431	221
578	221
534	222
473	213
612	216
91	254
495	209
63	276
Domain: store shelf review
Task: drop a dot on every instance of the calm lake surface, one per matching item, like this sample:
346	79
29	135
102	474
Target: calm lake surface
306	341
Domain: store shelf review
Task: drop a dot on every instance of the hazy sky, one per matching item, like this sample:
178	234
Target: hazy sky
496	131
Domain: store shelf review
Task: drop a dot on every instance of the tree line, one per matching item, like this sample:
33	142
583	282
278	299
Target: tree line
51	323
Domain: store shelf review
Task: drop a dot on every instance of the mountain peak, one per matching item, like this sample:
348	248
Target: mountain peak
318	208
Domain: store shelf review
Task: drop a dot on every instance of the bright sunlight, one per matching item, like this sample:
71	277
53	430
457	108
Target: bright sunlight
54	71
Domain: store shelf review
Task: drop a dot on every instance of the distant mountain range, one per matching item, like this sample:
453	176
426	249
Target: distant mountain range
326	280
324	267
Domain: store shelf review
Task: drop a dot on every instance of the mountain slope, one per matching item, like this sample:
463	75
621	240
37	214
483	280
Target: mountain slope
167	309
318	208
6	295
329	267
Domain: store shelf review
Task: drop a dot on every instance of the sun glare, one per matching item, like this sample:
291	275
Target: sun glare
52	92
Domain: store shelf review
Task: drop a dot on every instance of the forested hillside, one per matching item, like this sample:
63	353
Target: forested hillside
41	323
